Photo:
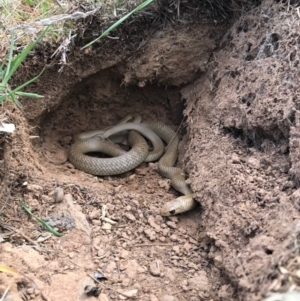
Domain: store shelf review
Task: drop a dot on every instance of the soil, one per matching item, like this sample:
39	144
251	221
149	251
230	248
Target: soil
232	94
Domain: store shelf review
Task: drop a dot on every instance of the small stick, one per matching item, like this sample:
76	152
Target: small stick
20	233
152	245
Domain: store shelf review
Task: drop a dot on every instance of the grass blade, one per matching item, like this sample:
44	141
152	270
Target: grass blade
107	31
28	82
48	227
6	76
21	57
27	94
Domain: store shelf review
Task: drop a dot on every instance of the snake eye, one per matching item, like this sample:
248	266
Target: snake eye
172	212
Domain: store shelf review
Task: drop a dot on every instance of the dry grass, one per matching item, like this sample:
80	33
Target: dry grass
29	18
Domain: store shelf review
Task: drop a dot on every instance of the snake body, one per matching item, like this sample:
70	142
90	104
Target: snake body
123	161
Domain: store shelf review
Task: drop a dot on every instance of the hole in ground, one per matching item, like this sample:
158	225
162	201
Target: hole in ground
99	101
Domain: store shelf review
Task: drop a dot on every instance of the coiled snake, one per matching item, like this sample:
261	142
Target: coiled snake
122	161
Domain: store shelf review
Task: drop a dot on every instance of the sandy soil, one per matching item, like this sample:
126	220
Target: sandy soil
232	95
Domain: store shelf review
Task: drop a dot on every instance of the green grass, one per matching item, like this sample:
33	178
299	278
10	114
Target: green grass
26	13
116	24
8	68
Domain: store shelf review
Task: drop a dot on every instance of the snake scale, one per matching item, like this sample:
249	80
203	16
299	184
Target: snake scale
123	161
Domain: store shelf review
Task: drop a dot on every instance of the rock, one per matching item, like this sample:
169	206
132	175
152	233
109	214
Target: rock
150	233
174	237
156	267
176	249
124	254
130	216
167	298
152	223
129	294
58	194
34	188
171	224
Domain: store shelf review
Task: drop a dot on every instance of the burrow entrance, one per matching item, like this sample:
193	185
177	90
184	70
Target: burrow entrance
101	100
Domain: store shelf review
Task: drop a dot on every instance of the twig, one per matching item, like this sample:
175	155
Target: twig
6	291
151	245
19	232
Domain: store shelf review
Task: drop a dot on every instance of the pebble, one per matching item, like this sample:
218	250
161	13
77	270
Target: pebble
174	237
129	294
150	234
156	267
33	187
176	249
165	232
167	298
152	223
58	194
171	224
106	226
124	254
173	219
130	216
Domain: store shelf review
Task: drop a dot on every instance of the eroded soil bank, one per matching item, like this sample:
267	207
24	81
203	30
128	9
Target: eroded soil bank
231	92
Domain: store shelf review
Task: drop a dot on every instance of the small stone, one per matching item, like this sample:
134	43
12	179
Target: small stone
150	234
192	266
162	239
68	198
106	226
131	177
152	223
167	298
156	267
174	237
173	219
33	187
130	216
187	246
130	293
123	265
58	194
124	254
176	249
171	224
71	255
165	232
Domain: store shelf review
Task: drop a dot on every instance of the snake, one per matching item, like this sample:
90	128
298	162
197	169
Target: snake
121	161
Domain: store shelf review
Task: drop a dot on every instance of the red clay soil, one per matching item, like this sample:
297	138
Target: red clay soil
232	94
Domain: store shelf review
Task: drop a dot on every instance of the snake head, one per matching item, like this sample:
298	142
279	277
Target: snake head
179	205
171	208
